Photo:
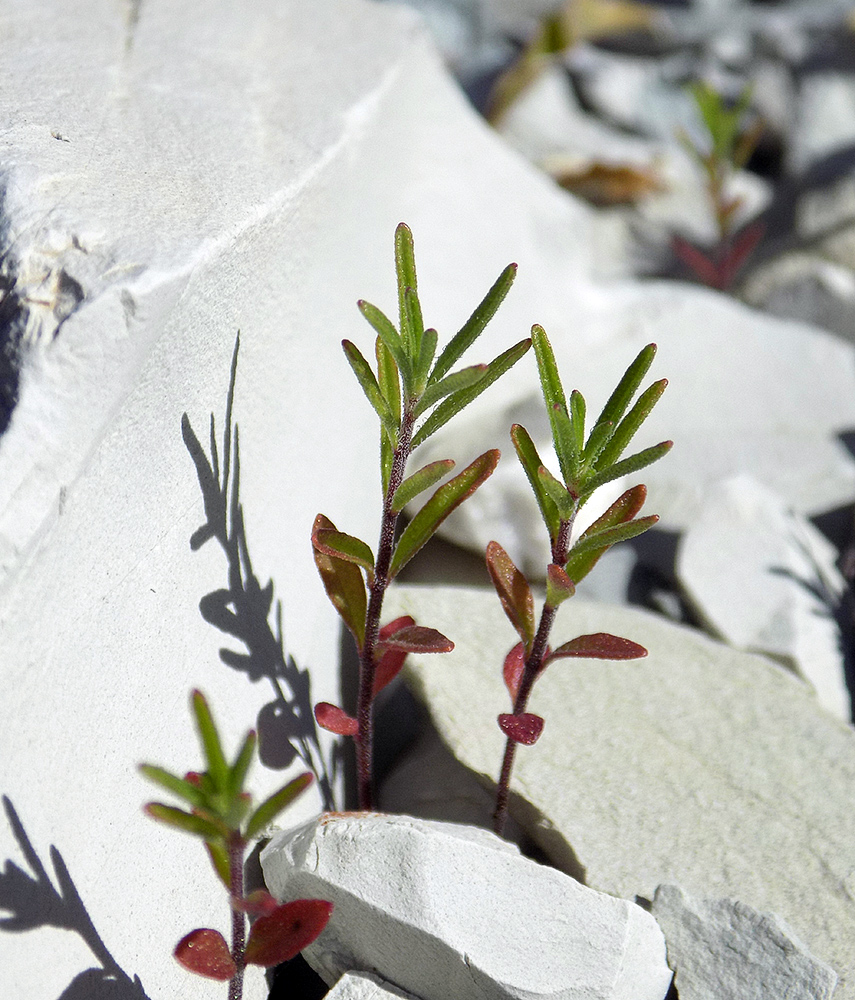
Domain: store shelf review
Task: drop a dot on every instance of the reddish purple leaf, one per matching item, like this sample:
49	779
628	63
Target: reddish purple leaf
513	590
205	952
417	639
599	646
335	720
284	933
513	669
559	586
740	250
256	904
524	728
392	660
698	262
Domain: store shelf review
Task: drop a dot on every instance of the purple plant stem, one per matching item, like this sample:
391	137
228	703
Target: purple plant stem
367	667
533	666
236	849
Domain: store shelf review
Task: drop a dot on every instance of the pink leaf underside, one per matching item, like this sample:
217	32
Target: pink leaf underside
390	628
256	904
599	646
335	720
392	660
284	933
418	639
524	728
205	952
697	261
513	669
741	248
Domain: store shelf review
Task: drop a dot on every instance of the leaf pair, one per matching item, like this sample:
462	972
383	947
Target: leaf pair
279	933
396	639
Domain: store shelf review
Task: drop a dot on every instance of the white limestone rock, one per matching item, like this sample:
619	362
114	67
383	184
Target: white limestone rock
825	118
765	580
362	986
699	765
722	949
444	910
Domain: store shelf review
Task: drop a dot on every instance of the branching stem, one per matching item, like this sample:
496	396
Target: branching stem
367	665
533	666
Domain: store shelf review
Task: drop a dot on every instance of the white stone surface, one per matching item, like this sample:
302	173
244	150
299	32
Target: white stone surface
698	765
825	118
445	910
722	949
362	986
225	168
765	580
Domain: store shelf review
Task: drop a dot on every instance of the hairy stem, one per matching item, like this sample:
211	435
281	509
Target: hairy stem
533	666
367	666
236	849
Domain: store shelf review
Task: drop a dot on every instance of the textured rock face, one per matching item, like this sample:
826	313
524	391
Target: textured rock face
444	910
765	580
698	765
361	986
725	950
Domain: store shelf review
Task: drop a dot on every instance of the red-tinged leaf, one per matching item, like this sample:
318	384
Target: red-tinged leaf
514	592
335	720
740	250
559	586
205	952
340	545
284	933
599	646
513	669
524	728
388	667
256	904
343	583
697	261
417	639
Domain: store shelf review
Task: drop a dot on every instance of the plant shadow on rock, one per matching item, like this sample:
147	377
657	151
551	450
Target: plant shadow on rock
286	725
33	901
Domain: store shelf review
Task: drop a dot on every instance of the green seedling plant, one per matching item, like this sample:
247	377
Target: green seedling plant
584	465
414	392
221	814
729	142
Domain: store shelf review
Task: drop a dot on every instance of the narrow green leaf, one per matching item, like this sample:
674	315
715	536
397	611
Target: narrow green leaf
550	381
242	762
565	504
390	385
419	481
415	324
625	508
219	855
340	545
453	383
597	440
344	585
611	536
449	496
405	270
624	468
559	586
272	806
172	783
454	403
188	822
630	424
369	385
514	592
218	769
390	337
531	462
426	356
577	417
564	439
474	326
620	399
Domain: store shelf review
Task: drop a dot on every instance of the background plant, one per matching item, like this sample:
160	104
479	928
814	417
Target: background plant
728	144
584	467
414	392
221	814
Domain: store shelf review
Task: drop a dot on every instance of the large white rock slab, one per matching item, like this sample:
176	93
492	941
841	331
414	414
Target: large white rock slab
765	580
444	910
361	986
722	949
699	765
